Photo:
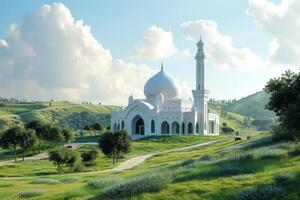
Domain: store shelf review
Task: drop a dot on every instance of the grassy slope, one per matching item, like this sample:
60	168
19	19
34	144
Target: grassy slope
17	113
139	147
252	106
201	180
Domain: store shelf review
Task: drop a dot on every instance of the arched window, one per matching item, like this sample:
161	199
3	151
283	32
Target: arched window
118	127
122	125
183	128
165	128
115	127
190	128
197	127
152	126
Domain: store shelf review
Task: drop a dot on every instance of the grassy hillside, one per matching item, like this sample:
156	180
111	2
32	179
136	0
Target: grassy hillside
220	171
252	106
61	113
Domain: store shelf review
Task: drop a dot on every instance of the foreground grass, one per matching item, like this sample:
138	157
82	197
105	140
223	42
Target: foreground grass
139	147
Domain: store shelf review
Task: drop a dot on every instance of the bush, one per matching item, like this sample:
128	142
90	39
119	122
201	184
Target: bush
69	179
267	153
282	178
295	152
229	170
188	163
136	186
206	157
100	183
31	193
89	157
263	192
46	181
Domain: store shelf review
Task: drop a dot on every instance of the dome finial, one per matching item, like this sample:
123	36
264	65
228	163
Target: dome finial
162	66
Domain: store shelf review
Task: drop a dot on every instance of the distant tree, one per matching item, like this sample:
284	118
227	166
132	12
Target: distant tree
97	127
285	102
67	134
41	131
247	122
28	139
87	128
10	139
89	157
55	135
115	144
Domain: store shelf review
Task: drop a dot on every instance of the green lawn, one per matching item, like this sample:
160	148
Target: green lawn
201	180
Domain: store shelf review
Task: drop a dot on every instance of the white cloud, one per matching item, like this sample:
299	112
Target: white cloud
219	47
51	55
157	44
281	23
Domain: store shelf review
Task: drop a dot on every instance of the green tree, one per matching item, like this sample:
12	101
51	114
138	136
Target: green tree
54	135
89	157
41	131
28	139
115	144
285	102
10	139
67	134
97	127
58	157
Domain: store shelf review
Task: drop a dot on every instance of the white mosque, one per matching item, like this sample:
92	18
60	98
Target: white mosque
163	112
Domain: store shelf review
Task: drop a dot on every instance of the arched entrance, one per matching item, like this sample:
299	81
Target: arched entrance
138	126
165	128
175	128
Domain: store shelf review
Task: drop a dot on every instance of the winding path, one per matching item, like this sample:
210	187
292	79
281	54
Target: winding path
128	164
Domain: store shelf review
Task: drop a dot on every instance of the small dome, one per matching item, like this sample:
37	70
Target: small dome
161	83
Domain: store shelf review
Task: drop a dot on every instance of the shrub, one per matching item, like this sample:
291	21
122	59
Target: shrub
89	157
188	163
295	152
267	153
262	192
69	179
31	193
47	181
136	186
100	183
206	157
229	170
282	178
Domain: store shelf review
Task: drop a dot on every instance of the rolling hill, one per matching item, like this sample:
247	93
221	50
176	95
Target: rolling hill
63	113
252	106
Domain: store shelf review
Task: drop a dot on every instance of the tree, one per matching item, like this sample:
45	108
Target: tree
57	156
54	135
41	131
285	102
10	139
27	140
89	157
97	127
62	156
115	144
72	157
67	134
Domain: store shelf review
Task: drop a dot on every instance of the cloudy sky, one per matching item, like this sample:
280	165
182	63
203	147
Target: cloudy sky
105	50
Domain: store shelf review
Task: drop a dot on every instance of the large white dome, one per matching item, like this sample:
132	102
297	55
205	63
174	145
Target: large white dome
161	83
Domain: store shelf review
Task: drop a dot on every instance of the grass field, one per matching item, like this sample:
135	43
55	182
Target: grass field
218	171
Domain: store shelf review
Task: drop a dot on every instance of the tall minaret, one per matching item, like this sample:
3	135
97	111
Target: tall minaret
200	93
200	66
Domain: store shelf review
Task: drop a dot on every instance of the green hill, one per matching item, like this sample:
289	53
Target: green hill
252	106
64	114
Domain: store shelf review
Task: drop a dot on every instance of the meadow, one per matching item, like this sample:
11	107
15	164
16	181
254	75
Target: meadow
221	170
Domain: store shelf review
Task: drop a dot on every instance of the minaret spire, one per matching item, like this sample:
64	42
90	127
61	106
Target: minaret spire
162	66
200	56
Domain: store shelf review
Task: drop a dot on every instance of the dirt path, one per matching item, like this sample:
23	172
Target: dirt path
128	164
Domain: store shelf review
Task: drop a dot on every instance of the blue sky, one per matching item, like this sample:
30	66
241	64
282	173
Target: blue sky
120	26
